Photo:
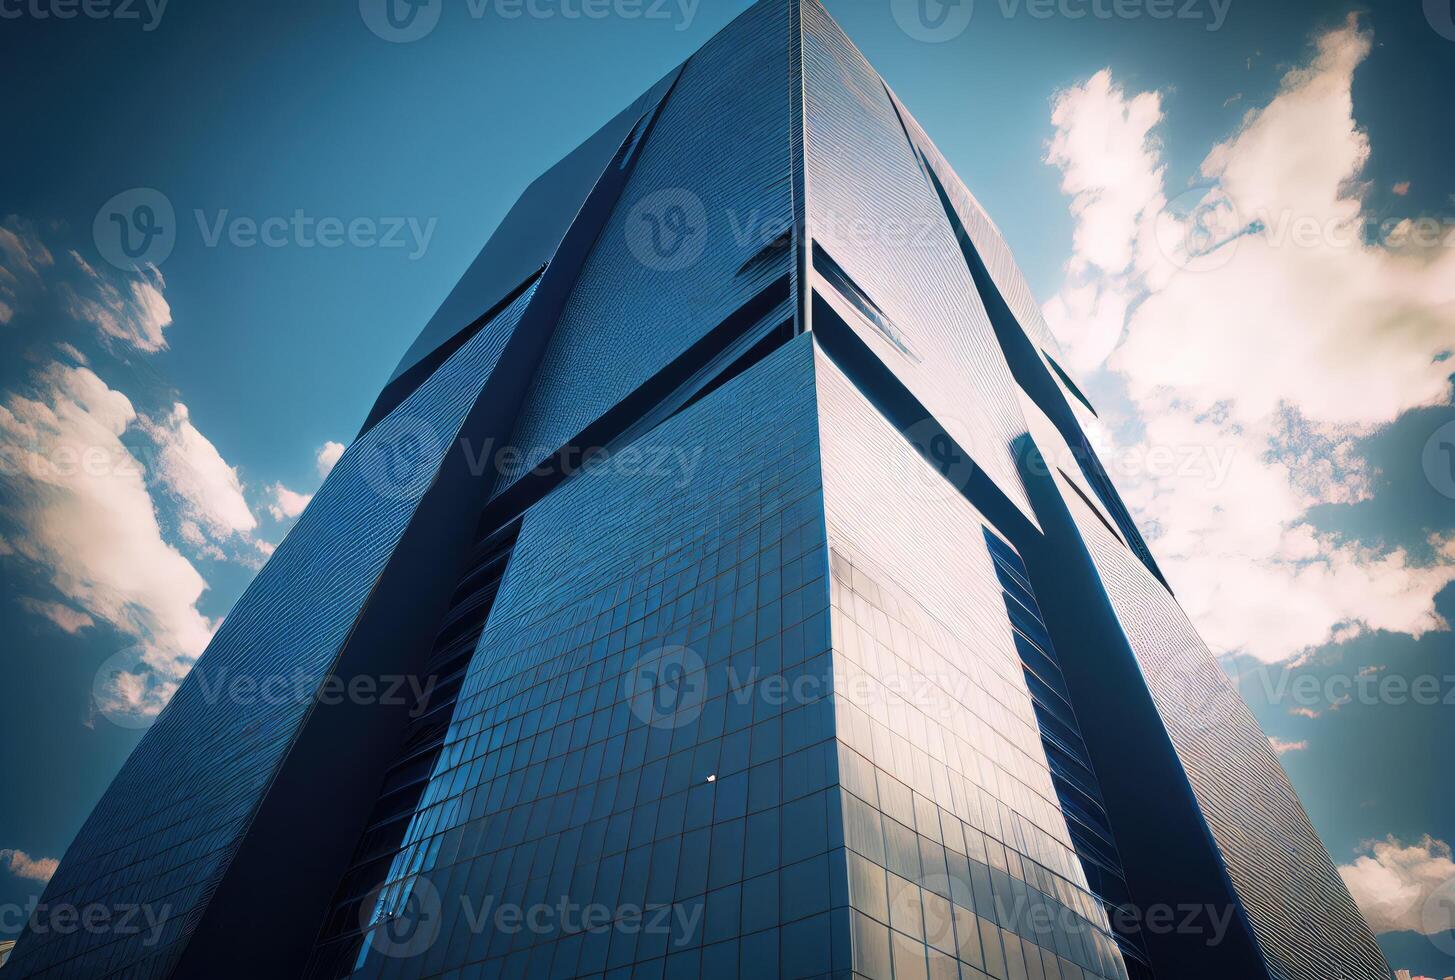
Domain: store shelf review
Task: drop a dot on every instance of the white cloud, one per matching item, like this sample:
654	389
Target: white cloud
138	315
79	497
22	865
23	256
1283	748
1400	887
68	619
287	503
208	491
328	455
1258	326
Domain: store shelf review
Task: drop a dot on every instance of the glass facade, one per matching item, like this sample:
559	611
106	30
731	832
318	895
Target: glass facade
805	667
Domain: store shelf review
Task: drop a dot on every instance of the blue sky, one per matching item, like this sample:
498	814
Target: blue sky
1286	363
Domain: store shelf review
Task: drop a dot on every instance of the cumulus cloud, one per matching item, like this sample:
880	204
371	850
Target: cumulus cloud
1254	319
68	619
22	865
1404	887
208	491
328	455
79	498
287	503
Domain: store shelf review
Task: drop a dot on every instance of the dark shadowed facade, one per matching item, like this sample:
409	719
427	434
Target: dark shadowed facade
722	586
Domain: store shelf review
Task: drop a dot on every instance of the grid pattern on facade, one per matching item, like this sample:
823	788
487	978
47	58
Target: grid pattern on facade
707	194
619	743
1272	853
959	855
169	823
870	208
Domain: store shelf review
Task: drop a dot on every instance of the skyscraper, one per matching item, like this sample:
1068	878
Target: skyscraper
723	585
